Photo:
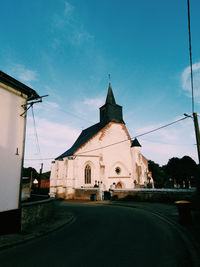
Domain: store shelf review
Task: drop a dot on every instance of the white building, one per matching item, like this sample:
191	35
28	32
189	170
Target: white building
13	99
103	152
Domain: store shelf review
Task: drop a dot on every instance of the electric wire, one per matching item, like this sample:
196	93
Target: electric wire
163	143
75	115
36	135
159	128
148	132
119	142
42	159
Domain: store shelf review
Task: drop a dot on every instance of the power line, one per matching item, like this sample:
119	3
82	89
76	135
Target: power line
163	143
36	135
159	128
190	50
164	126
75	115
40	159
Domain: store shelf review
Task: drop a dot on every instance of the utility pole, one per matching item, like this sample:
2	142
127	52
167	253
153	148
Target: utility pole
196	127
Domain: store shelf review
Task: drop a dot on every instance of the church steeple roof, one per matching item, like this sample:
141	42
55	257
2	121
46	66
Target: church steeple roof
135	143
110	111
110	99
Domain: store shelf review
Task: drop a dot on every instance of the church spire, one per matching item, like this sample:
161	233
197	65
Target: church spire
110	111
110	99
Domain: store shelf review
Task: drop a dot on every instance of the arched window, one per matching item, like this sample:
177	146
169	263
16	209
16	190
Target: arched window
87	174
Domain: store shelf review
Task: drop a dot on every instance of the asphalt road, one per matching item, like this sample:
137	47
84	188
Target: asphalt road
104	236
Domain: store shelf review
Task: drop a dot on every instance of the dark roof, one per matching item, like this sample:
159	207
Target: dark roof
135	142
85	136
109	112
10	81
110	99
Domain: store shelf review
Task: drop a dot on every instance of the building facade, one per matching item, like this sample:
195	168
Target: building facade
103	153
13	99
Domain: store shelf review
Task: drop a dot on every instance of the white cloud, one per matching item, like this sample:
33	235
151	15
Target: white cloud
186	80
52	133
20	72
176	140
68	9
54	139
72	28
80	36
94	103
88	109
46	106
161	153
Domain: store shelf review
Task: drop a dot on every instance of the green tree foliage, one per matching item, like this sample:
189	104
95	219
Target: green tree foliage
45	175
173	170
182	171
158	174
178	171
27	172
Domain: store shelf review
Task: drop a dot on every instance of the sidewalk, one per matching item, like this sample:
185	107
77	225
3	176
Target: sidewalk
59	218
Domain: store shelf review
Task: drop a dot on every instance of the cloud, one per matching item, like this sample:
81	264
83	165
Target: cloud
176	140
46	106
94	103
54	139
186	80
72	29
80	36
52	133
20	72
68	9
88	109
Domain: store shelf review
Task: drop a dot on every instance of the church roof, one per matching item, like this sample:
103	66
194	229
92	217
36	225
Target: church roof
135	142
110	99
85	136
109	112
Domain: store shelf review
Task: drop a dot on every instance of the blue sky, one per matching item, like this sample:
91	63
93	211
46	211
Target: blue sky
67	48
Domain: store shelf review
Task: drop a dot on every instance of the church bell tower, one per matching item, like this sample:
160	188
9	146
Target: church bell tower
110	111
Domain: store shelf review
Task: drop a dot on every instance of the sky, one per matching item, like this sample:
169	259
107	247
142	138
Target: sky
66	49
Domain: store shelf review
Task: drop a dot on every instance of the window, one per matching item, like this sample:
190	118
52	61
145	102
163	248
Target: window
87	174
117	170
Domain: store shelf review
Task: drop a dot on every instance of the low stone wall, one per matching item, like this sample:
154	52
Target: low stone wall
154	195
85	193
36	212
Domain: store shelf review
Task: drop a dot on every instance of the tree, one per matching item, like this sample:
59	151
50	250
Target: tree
182	171
188	170
45	175
30	172
158	174
173	170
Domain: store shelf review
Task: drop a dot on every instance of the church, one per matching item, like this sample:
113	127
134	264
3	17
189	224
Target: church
103	153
